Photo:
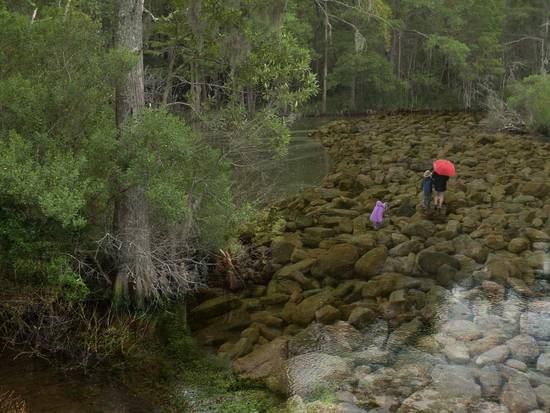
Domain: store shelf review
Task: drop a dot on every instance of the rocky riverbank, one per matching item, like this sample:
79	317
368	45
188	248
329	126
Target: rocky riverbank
435	312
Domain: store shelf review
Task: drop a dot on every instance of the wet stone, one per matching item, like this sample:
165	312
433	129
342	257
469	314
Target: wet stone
491	381
494	356
524	348
543	396
536	325
543	363
518	396
516	364
463	330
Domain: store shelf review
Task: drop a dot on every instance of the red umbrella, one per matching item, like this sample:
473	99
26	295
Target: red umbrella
444	167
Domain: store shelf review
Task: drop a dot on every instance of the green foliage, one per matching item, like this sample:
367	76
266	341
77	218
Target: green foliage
531	98
185	180
456	51
52	66
70	285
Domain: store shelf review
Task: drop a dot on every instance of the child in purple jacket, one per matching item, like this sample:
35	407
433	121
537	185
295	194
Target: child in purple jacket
377	215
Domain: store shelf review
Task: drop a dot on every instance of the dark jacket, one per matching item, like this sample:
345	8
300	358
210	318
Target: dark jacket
440	182
427	185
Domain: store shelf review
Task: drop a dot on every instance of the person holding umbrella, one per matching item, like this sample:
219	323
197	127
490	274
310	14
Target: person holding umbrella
442	170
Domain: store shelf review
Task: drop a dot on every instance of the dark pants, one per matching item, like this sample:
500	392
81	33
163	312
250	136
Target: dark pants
427	199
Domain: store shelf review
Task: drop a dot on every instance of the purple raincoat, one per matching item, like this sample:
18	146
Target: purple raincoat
377	214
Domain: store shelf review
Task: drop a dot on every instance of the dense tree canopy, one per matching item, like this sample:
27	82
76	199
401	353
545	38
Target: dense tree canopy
222	81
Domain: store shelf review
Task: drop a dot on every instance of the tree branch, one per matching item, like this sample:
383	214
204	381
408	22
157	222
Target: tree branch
538	39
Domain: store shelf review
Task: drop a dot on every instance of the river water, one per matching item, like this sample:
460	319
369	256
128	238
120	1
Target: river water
305	165
31	385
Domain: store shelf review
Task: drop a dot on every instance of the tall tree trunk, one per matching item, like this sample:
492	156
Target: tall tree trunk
169	78
545	45
132	214
251	100
353	87
196	89
325	63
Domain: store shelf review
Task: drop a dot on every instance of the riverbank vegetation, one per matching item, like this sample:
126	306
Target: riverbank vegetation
130	129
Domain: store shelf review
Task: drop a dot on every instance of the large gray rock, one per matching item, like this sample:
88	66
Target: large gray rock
314	372
523	348
518	395
462	330
431	262
455	381
494	356
430	400
400	382
536	325
371	263
491	381
453	390
543	363
543	396
456	352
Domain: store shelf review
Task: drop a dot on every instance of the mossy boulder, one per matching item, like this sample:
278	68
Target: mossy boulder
371	263
430	262
215	307
266	363
337	261
305	310
423	229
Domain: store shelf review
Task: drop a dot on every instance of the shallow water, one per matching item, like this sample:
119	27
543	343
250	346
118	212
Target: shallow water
40	389
305	165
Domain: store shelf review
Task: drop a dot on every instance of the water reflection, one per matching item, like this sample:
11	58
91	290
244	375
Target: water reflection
485	348
305	165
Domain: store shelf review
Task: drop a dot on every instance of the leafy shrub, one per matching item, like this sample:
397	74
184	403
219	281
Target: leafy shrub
531	98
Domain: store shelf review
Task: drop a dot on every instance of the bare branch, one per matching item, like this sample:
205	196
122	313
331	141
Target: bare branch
150	14
537	39
34	15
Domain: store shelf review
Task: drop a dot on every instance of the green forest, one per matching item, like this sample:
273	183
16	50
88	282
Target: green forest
130	131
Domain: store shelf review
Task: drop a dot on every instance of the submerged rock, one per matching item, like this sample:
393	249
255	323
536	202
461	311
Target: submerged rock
518	395
463	330
316	372
336	339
